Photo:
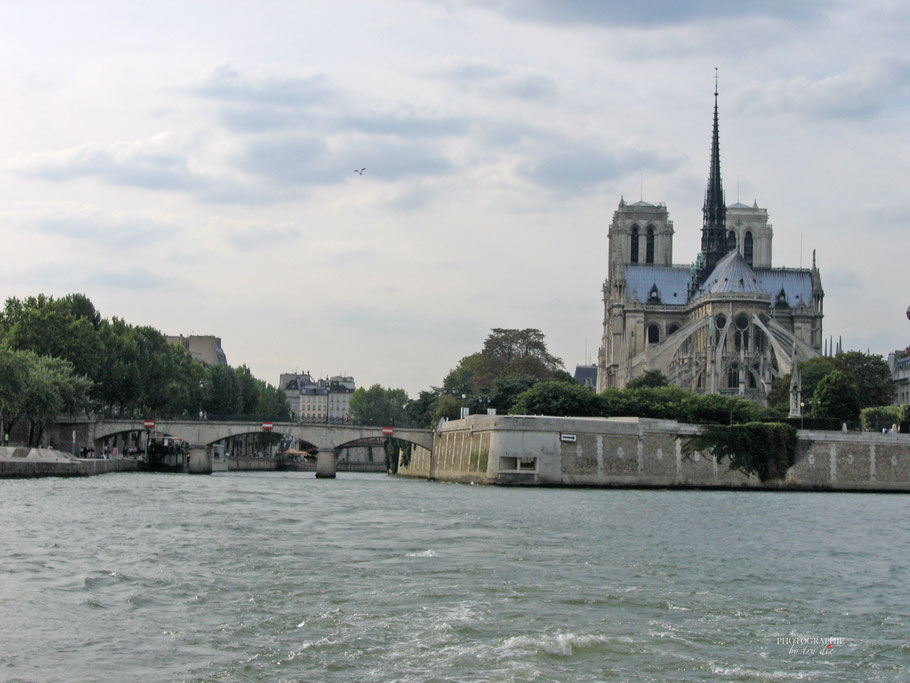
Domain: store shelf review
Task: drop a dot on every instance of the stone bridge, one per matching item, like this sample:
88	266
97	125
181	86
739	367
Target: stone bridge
202	434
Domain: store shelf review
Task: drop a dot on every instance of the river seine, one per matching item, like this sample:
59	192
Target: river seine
282	576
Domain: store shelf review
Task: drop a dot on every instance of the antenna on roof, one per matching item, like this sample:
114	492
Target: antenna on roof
737	189
641	196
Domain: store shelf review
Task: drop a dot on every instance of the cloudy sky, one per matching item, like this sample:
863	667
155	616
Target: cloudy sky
189	165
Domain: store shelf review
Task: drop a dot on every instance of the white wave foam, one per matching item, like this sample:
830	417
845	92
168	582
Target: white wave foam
560	644
425	553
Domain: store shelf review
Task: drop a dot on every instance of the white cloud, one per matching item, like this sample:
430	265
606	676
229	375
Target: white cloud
497	137
860	91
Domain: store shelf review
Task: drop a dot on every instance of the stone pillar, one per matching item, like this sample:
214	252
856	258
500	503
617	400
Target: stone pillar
325	463
199	460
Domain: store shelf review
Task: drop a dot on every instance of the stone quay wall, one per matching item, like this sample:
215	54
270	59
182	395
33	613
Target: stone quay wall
28	468
641	452
251	464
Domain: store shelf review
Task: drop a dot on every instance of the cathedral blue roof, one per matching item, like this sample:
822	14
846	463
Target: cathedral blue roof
672	283
733	275
795	283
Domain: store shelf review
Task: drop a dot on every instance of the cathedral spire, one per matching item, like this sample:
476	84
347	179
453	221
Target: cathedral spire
714	231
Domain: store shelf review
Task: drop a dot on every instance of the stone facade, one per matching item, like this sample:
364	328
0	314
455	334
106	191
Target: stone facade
731	323
204	348
899	364
640	452
325	400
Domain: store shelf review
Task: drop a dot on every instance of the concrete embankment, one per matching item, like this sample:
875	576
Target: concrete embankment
26	463
640	452
308	465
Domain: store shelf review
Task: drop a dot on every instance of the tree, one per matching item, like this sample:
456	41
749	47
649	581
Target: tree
871	375
51	388
250	391
836	396
421	409
62	328
14	370
222	395
811	372
461	379
506	390
651	378
514	352
379	406
559	399
272	403
447	408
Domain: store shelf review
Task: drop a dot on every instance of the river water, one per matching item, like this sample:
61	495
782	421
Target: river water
282	576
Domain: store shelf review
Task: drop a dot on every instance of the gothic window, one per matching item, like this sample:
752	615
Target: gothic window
752	384
742	332
720	322
653	334
748	248
649	245
733	377
672	329
634	257
731	241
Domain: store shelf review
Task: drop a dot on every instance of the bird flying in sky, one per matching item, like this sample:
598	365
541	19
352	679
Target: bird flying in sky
360	172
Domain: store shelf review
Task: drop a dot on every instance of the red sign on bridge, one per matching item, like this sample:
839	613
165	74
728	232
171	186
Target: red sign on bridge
267	426
148	424
387	431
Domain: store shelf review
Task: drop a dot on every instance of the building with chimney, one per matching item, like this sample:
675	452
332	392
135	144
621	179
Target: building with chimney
729	323
324	400
204	348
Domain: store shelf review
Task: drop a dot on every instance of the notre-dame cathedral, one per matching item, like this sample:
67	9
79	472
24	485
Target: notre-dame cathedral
729	324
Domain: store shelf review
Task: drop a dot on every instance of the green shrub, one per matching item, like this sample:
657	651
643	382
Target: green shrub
559	399
760	448
874	419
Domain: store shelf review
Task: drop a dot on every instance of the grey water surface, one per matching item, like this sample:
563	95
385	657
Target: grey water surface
281	576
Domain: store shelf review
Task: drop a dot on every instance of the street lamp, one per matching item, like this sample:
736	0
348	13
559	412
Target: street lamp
201	388
802	414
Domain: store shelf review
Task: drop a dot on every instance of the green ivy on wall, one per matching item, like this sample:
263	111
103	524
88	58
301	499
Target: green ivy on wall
760	448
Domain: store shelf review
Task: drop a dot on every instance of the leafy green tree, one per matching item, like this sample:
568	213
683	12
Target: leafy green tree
447	408
250	391
422	409
650	379
506	390
54	327
186	385
871	375
461	379
514	352
52	388
14	371
836	396
379	406
272	403
222	395
874	418
811	372
558	399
